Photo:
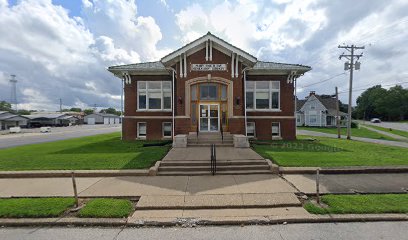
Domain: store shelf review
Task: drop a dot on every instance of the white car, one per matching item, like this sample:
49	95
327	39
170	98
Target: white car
375	120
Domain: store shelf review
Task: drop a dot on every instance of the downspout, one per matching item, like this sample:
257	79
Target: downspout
245	109
295	83
172	100
121	106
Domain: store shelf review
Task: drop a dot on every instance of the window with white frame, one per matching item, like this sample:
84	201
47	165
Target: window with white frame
141	130
262	95
154	95
276	129
312	118
167	129
251	129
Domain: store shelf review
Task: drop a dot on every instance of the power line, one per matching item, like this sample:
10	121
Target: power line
325	80
385	85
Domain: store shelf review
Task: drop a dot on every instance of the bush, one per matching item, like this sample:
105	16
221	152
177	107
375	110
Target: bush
354	124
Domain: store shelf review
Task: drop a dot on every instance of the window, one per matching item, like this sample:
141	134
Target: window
312	118
208	92
141	130
263	95
167	129
154	95
275	129
251	129
312	106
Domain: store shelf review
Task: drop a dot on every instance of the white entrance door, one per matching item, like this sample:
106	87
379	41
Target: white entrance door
209	117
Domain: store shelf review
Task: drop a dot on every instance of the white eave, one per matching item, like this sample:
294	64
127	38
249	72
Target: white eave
274	68
147	68
217	43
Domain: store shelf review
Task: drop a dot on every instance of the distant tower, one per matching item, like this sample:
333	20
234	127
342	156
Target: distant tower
13	95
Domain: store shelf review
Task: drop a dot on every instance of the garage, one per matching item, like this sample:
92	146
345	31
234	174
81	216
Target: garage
106	121
91	121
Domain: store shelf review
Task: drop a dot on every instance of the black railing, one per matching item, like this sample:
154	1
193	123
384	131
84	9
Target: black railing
222	133
197	133
213	160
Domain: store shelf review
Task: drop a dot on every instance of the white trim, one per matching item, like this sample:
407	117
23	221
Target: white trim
232	65
266	117
236	65
279	129
171	134
254	129
181	67
200	41
147	92
185	65
138	128
211	47
206	50
270	90
208	116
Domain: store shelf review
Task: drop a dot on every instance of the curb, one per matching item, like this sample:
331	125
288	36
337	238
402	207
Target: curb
129	222
78	173
342	170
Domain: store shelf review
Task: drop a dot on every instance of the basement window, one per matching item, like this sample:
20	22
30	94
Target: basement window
141	130
167	129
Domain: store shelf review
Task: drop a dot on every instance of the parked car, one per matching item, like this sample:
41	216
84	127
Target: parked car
375	120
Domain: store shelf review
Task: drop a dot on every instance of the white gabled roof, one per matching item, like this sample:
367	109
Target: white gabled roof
198	44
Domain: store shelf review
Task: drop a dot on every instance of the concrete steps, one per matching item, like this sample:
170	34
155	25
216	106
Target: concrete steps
203	173
206	139
206	162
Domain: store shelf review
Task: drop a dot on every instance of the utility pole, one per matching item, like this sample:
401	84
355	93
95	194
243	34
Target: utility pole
60	105
350	66
13	95
337	114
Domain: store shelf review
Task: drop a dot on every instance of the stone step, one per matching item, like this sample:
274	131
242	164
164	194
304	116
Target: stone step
208	168
191	144
204	173
211	141
217	201
207	162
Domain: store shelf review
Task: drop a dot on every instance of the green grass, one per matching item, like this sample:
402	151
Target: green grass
106	208
105	151
331	152
361	204
390	130
34	207
356	132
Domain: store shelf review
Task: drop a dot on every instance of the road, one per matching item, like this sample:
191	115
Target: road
57	133
337	231
393	125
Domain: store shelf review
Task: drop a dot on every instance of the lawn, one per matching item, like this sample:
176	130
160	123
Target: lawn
34	207
331	152
390	130
105	151
106	208
356	132
361	204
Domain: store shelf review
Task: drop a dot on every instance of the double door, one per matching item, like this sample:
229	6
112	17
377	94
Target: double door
209	117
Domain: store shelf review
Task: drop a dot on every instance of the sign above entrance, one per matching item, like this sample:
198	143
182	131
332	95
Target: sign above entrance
208	67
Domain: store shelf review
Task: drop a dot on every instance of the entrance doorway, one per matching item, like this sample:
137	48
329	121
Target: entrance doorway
209	117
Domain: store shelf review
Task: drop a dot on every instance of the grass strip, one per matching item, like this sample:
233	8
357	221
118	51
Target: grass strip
361	204
106	208
34	207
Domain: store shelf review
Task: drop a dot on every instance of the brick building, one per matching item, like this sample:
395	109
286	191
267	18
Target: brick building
204	87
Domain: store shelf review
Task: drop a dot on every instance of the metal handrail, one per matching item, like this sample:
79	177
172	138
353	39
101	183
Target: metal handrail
197	132
222	133
213	160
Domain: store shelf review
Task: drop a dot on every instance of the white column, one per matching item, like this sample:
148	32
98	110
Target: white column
210	50
236	65
206	50
232	65
172	102
181	67
185	65
245	109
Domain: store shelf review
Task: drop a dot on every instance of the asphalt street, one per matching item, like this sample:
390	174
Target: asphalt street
394	125
338	231
57	133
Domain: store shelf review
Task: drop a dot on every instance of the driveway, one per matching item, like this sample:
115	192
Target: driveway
31	136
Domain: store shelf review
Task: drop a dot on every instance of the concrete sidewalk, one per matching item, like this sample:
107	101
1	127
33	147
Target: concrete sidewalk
395	136
145	186
369	140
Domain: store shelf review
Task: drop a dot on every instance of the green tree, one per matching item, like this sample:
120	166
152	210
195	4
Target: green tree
110	111
368	103
23	112
5	106
88	111
74	109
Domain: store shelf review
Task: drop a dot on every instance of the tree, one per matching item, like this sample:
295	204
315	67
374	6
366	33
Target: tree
5	106
367	102
110	111
75	109
88	111
23	112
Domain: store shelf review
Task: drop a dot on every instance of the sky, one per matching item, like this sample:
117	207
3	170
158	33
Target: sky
60	49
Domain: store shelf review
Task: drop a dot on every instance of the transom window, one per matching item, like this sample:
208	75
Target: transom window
263	95
154	95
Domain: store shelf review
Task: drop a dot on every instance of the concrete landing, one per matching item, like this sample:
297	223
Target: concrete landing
203	153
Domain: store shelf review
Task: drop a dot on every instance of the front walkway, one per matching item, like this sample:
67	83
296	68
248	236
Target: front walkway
369	140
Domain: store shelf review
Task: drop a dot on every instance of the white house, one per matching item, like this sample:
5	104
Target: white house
317	111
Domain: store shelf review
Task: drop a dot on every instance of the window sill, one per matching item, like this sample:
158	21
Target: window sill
264	110
276	138
154	110
141	138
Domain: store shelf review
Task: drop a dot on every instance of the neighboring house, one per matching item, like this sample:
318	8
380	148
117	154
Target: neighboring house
8	120
51	119
207	86
101	118
316	111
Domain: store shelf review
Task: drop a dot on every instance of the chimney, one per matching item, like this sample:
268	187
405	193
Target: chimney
311	93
